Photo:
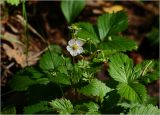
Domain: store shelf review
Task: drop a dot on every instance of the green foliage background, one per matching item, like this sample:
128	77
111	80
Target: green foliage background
125	92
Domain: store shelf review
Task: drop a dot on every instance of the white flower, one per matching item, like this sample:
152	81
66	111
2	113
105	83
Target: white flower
75	47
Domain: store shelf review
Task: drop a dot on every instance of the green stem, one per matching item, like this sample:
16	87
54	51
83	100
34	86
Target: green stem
25	29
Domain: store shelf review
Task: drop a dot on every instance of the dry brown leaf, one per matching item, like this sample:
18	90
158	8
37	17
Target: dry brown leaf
97	11
20	57
11	38
112	9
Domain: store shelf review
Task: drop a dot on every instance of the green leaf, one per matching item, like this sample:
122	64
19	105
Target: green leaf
21	83
62	106
33	73
109	24
118	43
71	9
13	2
95	88
87	32
77	75
144	110
120	68
134	92
44	81
61	79
36	108
55	49
63	69
128	105
87	108
8	110
68	63
50	61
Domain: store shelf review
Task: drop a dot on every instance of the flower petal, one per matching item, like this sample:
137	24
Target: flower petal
69	48
80	50
79	42
72	42
74	53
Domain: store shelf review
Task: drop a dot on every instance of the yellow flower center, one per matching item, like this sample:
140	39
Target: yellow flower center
75	47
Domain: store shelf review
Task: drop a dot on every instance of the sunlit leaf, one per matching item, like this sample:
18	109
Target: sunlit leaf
95	88
134	92
144	110
120	68
87	108
62	106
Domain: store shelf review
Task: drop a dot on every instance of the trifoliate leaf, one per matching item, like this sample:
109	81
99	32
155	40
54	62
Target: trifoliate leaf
134	92
121	68
62	106
21	83
95	88
87	32
118	43
37	108
144	110
71	9
87	108
109	24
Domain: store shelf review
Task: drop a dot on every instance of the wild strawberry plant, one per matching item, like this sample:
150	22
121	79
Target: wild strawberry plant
68	84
